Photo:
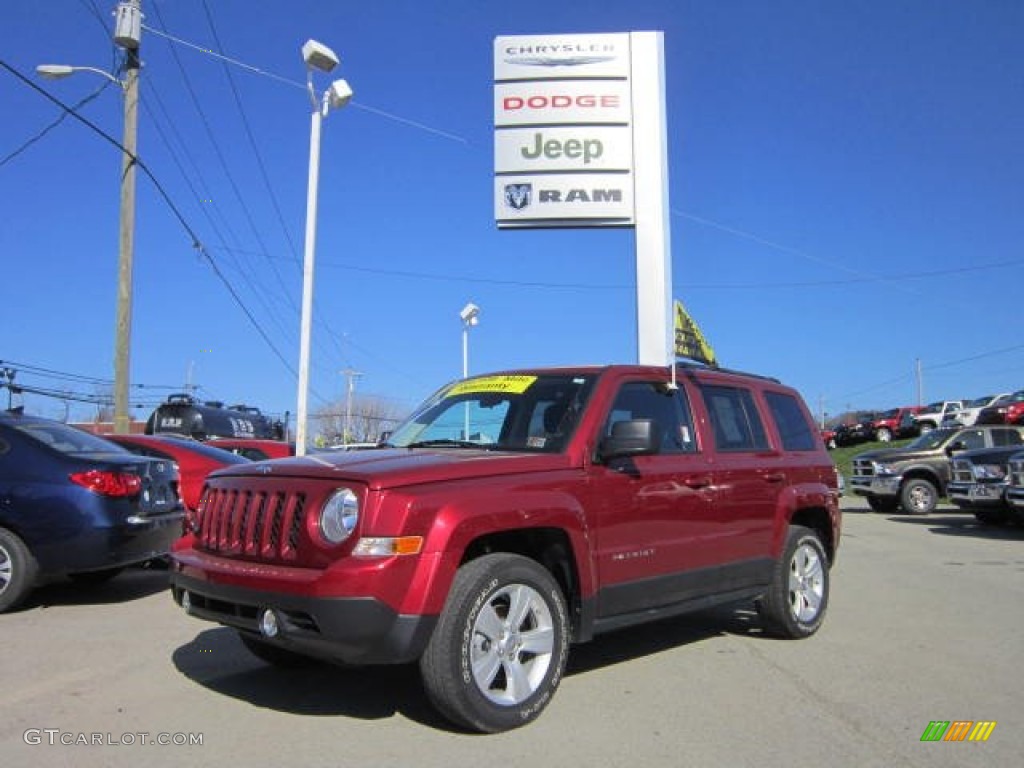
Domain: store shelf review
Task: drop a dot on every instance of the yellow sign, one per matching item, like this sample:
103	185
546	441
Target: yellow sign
514	385
690	342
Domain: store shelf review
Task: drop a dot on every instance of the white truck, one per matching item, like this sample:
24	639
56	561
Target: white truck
935	413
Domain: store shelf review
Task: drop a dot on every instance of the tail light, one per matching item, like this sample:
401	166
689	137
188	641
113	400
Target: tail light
115	484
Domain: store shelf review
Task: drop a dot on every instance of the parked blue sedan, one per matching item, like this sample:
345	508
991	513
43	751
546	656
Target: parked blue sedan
75	504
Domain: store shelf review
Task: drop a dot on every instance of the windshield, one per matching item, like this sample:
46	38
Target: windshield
68	440
932	439
522	412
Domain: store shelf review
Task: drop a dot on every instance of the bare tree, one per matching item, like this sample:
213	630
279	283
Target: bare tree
370	415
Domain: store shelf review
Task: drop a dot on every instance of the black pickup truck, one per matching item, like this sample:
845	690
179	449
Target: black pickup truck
915	476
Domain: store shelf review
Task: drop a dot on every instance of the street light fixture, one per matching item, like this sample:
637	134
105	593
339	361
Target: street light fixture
470	315
319	57
128	35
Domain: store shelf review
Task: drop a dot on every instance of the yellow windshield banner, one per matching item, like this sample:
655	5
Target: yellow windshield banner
514	385
690	342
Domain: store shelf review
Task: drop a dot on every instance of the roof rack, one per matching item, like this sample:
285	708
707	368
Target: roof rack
695	365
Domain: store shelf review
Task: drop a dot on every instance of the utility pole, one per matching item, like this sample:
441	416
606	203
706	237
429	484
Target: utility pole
128	35
920	384
350	376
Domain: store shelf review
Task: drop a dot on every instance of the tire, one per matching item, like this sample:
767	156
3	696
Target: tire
883	435
924	427
794	605
482	671
992	516
918	496
95	577
883	503
18	571
274	655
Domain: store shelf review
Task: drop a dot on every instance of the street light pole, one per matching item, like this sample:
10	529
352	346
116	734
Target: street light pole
316	56
307	281
128	35
126	246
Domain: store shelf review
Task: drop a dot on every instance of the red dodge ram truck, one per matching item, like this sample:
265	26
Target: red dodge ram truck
515	514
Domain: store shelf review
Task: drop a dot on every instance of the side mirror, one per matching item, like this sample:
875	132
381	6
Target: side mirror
957	445
631	438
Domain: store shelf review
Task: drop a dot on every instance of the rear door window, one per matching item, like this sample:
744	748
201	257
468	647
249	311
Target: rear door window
734	416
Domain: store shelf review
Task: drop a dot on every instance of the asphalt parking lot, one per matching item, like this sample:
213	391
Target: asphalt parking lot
925	624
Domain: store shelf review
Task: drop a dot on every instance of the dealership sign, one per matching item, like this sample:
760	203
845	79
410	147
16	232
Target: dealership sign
563	142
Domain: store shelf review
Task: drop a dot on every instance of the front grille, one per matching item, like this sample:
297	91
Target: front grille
1016	476
962	471
863	468
263	525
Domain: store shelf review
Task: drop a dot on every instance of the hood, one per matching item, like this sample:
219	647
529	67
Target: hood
891	455
395	467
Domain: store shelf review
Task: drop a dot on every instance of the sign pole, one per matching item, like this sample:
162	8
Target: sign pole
655	342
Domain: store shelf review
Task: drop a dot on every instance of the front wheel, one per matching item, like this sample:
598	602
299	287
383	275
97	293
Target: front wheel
794	605
918	496
884	435
500	646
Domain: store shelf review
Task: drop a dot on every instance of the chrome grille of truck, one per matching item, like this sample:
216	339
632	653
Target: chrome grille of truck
262	525
863	468
962	471
1016	475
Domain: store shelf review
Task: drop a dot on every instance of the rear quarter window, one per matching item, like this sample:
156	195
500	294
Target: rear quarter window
794	431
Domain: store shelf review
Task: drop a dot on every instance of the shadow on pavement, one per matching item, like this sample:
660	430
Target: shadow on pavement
217	660
130	584
963	524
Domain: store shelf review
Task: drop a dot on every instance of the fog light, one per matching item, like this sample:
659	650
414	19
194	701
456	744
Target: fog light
268	623
186	601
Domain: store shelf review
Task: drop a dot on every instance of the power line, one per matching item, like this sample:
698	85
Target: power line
42	133
196	243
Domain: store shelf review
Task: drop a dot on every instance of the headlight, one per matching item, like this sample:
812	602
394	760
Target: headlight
339	516
884	469
989	472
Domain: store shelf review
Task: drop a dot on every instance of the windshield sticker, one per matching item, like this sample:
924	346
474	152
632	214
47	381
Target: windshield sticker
514	385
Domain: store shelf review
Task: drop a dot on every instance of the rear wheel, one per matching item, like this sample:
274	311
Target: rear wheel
18	570
795	603
883	435
918	496
500	647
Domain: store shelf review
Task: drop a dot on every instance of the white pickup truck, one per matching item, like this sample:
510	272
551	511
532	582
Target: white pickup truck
968	415
935	413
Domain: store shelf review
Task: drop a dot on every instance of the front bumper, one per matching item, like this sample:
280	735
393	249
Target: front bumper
347	630
887	485
976	495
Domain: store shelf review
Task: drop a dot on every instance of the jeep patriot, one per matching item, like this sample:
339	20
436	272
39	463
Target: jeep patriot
515	514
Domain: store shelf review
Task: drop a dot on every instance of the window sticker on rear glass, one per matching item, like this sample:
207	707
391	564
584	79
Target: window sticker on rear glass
514	385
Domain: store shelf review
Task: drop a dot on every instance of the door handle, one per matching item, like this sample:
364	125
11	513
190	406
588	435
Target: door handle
698	482
774	477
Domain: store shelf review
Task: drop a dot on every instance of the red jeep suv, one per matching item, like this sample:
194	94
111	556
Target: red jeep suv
515	514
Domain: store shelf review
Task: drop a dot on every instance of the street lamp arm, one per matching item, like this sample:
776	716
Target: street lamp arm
57	71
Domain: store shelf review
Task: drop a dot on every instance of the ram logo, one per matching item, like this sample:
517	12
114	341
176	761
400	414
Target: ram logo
518	196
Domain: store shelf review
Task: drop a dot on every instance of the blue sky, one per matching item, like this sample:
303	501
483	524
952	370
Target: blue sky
847	196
